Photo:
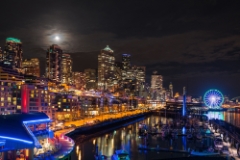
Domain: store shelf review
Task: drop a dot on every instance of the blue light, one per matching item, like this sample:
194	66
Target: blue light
16	139
36	121
213	98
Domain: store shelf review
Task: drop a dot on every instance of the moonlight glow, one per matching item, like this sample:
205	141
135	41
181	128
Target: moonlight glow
213	98
57	38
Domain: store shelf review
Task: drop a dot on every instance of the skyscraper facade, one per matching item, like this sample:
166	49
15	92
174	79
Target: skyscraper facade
53	63
106	61
79	80
126	61
66	69
157	90
91	78
12	54
31	67
156	81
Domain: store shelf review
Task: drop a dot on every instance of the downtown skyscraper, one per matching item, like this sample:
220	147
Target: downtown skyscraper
106	61
53	63
12	55
31	67
66	69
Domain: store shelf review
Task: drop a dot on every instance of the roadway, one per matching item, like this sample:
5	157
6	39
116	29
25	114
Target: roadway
100	118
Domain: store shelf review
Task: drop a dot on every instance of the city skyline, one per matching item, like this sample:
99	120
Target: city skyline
184	47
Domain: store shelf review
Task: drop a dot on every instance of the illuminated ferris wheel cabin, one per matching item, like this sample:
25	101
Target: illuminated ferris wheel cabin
213	98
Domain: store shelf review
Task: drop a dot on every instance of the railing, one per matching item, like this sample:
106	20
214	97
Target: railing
36	142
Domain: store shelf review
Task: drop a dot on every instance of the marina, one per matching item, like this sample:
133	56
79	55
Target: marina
165	142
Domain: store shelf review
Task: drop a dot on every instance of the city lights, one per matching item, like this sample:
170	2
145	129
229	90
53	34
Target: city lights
213	98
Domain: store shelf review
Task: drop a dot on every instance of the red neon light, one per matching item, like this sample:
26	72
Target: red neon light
24	99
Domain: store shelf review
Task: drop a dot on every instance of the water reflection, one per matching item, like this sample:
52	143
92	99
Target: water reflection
231	117
127	138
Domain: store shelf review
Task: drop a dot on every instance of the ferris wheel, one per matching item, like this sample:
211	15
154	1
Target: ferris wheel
213	98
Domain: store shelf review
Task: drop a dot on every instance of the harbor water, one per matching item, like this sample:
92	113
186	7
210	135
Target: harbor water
128	138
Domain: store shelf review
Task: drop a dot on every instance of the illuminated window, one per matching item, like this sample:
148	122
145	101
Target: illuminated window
32	95
19	107
2	88
64	100
9	99
2	104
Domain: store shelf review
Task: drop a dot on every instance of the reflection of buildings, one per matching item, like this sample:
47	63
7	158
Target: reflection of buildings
91	78
12	54
106	61
53	63
31	67
66	69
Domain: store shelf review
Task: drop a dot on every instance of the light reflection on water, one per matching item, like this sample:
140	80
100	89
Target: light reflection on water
231	117
127	138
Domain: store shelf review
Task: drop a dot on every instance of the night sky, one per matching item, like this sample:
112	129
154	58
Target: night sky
192	43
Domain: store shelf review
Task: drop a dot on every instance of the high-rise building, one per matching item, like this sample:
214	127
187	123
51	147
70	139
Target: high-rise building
53	63
31	67
156	81
12	54
79	80
91	78
171	90
126	61
66	69
106	61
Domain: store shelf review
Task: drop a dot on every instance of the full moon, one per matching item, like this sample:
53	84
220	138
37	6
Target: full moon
57	38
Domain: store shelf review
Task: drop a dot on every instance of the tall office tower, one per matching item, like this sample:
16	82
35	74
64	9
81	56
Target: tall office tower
126	61
79	80
66	69
139	73
156	81
171	90
118	71
91	78
31	67
12	54
106	61
53	63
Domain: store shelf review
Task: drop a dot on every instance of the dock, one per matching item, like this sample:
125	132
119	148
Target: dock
162	150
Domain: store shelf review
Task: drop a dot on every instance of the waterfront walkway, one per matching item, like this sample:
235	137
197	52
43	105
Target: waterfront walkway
232	149
101	118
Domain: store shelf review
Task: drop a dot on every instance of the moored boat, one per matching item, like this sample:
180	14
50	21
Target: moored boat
120	155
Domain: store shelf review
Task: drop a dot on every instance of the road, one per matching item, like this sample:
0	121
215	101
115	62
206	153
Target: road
104	117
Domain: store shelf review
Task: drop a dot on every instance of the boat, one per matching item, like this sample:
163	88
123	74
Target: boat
120	155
